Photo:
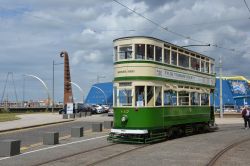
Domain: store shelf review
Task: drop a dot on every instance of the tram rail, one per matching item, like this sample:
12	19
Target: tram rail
221	153
106	158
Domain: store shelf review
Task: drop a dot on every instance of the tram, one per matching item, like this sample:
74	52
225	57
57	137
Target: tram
161	90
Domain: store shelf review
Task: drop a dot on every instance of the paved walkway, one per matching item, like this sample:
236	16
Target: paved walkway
229	121
32	120
39	119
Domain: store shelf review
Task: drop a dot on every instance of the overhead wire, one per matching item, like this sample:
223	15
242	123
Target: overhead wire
247	6
177	33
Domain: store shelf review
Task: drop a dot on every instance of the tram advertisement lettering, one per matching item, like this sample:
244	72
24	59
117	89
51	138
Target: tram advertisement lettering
182	76
125	71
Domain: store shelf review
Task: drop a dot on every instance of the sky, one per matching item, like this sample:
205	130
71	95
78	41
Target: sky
33	33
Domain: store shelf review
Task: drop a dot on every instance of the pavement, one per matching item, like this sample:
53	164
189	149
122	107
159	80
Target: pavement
42	119
32	120
229	121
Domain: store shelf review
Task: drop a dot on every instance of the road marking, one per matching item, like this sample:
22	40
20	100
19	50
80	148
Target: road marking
61	138
85	140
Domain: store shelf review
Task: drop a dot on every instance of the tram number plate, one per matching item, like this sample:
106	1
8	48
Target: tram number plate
124	111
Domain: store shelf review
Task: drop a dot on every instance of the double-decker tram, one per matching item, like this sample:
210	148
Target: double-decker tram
160	90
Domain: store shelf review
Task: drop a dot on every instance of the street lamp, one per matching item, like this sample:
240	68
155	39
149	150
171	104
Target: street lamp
221	104
102	92
43	83
73	83
53	84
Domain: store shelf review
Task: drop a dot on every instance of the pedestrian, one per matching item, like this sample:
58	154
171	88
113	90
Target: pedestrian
246	116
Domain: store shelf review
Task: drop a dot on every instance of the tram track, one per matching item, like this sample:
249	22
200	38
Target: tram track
100	150
74	154
221	153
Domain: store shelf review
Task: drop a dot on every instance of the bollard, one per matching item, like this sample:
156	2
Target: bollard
51	138
108	124
88	113
72	116
65	116
78	114
97	127
77	131
82	114
9	147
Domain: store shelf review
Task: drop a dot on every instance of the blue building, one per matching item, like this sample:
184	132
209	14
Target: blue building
100	93
235	92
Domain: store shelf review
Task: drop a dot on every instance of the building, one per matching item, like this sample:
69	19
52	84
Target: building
100	93
235	92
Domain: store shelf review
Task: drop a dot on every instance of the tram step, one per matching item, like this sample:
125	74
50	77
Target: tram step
188	129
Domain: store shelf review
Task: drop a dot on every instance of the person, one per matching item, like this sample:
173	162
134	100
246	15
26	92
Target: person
246	116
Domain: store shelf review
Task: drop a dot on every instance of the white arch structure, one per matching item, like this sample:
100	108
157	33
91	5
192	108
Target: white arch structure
73	83
102	92
44	84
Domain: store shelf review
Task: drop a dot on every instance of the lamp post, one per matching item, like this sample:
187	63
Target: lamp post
53	85
102	93
220	66
80	89
43	83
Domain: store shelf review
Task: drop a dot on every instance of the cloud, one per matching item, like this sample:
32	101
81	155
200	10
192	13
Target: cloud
33	33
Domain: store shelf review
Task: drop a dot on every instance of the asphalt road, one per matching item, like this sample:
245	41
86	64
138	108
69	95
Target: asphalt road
192	150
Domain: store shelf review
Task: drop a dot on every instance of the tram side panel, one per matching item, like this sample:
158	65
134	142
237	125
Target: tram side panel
159	117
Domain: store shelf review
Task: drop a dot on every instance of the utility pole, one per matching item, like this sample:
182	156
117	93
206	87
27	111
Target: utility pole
98	78
221	102
53	87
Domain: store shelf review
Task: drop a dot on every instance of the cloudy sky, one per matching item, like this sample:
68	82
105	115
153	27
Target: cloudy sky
33	33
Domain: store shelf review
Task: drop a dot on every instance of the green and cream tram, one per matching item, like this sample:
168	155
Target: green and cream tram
160	90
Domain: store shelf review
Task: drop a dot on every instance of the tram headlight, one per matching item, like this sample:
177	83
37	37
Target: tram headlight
124	119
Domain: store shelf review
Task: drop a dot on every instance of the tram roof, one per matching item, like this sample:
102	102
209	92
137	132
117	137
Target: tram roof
149	37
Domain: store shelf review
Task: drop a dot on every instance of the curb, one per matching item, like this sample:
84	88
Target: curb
33	126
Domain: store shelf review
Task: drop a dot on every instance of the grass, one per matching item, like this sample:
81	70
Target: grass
8	117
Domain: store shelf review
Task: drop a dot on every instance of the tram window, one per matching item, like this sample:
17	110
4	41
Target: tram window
212	68
204	99
195	64
166	56
195	98
158	96
139	96
150	52
150	96
125	52
174	58
207	67
183	98
158	54
202	66
125	97
140	51
115	53
169	97
183	60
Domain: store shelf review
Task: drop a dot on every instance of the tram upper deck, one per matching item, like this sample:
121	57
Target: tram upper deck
140	56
